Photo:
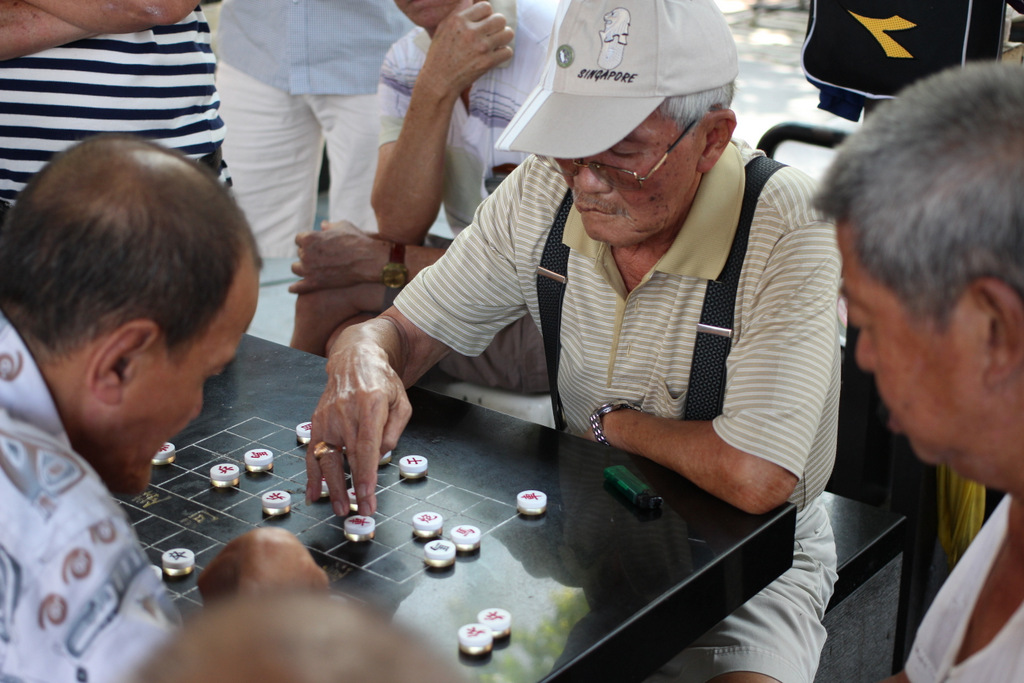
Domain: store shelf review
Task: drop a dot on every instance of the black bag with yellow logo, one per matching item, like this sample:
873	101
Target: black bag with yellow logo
876	47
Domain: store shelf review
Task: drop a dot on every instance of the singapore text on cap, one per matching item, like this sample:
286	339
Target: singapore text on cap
610	63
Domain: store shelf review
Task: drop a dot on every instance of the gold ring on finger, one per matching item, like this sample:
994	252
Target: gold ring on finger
323	448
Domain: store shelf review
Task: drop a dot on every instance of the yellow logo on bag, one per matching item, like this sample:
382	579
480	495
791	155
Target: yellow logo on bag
879	28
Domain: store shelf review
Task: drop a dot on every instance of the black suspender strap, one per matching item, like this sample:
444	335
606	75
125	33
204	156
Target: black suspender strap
550	291
706	390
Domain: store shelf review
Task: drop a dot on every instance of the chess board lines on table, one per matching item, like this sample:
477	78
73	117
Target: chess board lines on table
181	509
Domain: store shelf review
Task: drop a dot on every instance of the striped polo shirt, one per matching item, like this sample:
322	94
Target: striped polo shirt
156	83
782	387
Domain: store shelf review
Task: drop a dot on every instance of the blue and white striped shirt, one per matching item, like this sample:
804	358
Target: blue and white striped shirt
310	47
156	83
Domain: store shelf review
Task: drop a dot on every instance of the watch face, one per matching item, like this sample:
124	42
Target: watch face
394	275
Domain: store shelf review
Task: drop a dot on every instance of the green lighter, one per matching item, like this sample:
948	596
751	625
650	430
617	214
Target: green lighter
630	485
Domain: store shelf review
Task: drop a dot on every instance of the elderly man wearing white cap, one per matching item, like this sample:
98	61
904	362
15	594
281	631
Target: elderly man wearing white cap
631	129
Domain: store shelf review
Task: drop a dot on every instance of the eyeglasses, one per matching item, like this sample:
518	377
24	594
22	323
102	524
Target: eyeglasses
619	178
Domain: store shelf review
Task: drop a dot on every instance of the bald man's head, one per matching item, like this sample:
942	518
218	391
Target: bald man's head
114	229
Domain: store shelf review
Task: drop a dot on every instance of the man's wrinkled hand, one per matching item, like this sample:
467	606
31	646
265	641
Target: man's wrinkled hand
262	560
364	408
466	45
339	255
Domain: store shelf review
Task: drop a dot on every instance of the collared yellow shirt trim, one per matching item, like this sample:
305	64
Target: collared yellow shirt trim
703	243
700	249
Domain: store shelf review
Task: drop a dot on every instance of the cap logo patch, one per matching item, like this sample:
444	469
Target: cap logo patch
564	56
613	38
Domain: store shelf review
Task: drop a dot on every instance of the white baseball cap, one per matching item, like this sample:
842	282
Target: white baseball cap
610	63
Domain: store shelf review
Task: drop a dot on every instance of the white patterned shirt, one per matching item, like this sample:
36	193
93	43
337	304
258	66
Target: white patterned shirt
79	600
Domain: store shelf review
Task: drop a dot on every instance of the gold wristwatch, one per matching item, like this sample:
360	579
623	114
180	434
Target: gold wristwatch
395	274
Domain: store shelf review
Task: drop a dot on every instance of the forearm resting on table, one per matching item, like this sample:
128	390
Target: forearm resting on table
694	450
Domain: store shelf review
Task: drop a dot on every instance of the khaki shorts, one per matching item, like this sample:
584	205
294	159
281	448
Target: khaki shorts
777	632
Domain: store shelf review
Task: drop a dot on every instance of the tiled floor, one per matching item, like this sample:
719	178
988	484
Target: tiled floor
771	90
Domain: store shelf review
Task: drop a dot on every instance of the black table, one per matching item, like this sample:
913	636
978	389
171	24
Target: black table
598	590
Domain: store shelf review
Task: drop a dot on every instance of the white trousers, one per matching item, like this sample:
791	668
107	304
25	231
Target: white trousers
274	145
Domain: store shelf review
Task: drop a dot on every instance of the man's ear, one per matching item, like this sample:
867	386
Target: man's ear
119	358
718	126
1003	336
